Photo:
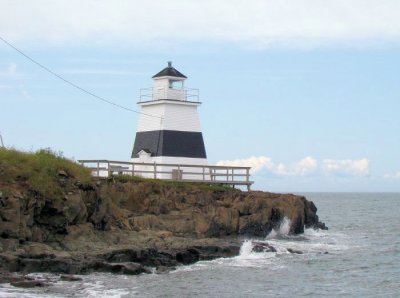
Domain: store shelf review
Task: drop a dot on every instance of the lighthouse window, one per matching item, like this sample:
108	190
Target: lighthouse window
175	84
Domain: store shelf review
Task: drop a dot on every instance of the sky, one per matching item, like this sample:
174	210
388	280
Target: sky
304	91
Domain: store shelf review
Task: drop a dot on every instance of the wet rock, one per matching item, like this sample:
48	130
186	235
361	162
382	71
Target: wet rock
57	265
8	244
223	250
294	251
128	268
189	256
6	277
263	247
70	278
320	225
297	225
30	284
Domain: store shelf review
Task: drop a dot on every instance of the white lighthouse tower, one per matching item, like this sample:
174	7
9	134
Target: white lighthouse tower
169	128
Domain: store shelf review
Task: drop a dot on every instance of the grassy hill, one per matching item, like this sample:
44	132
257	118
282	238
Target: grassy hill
39	171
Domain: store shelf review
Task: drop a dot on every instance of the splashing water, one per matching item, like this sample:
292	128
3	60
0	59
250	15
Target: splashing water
283	230
246	249
284	227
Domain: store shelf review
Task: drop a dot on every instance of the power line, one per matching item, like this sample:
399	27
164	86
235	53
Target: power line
73	84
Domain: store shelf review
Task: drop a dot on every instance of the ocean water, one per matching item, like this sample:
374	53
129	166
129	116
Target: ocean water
359	256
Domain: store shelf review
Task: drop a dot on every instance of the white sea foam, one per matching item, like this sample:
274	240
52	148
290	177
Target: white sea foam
283	229
246	249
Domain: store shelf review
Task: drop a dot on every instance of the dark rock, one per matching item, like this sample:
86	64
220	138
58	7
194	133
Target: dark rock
297	225
189	256
320	225
8	244
311	219
128	268
128	256
263	247
294	251
6	277
30	284
70	278
276	218
211	252
250	226
9	262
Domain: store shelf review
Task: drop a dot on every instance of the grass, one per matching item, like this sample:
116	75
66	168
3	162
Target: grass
176	184
39	170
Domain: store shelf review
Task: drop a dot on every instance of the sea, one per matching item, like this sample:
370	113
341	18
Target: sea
359	256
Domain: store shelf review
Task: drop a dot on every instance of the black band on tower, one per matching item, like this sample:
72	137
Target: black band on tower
170	143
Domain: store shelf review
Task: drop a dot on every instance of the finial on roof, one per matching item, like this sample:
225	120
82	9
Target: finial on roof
169	71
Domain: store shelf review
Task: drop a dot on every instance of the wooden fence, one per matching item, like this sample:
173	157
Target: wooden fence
178	172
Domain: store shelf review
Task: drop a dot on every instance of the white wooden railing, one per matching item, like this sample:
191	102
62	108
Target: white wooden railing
178	172
185	94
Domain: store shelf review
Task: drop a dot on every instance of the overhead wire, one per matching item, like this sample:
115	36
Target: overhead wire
75	85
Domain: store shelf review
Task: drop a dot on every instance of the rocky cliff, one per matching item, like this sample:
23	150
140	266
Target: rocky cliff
126	225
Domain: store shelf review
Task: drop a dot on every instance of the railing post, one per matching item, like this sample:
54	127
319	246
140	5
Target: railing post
247	175
108	169
98	169
204	176
133	169
155	170
227	174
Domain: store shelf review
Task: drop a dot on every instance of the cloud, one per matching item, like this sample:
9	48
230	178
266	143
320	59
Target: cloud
258	23
357	167
10	71
304	167
392	176
258	163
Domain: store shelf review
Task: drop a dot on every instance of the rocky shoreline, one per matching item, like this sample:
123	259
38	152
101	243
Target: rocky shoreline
134	226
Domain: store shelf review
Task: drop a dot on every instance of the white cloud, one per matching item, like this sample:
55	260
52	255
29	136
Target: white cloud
11	70
304	167
356	167
258	163
260	23
392	176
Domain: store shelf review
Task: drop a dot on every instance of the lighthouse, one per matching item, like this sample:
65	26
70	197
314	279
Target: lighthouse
169	129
